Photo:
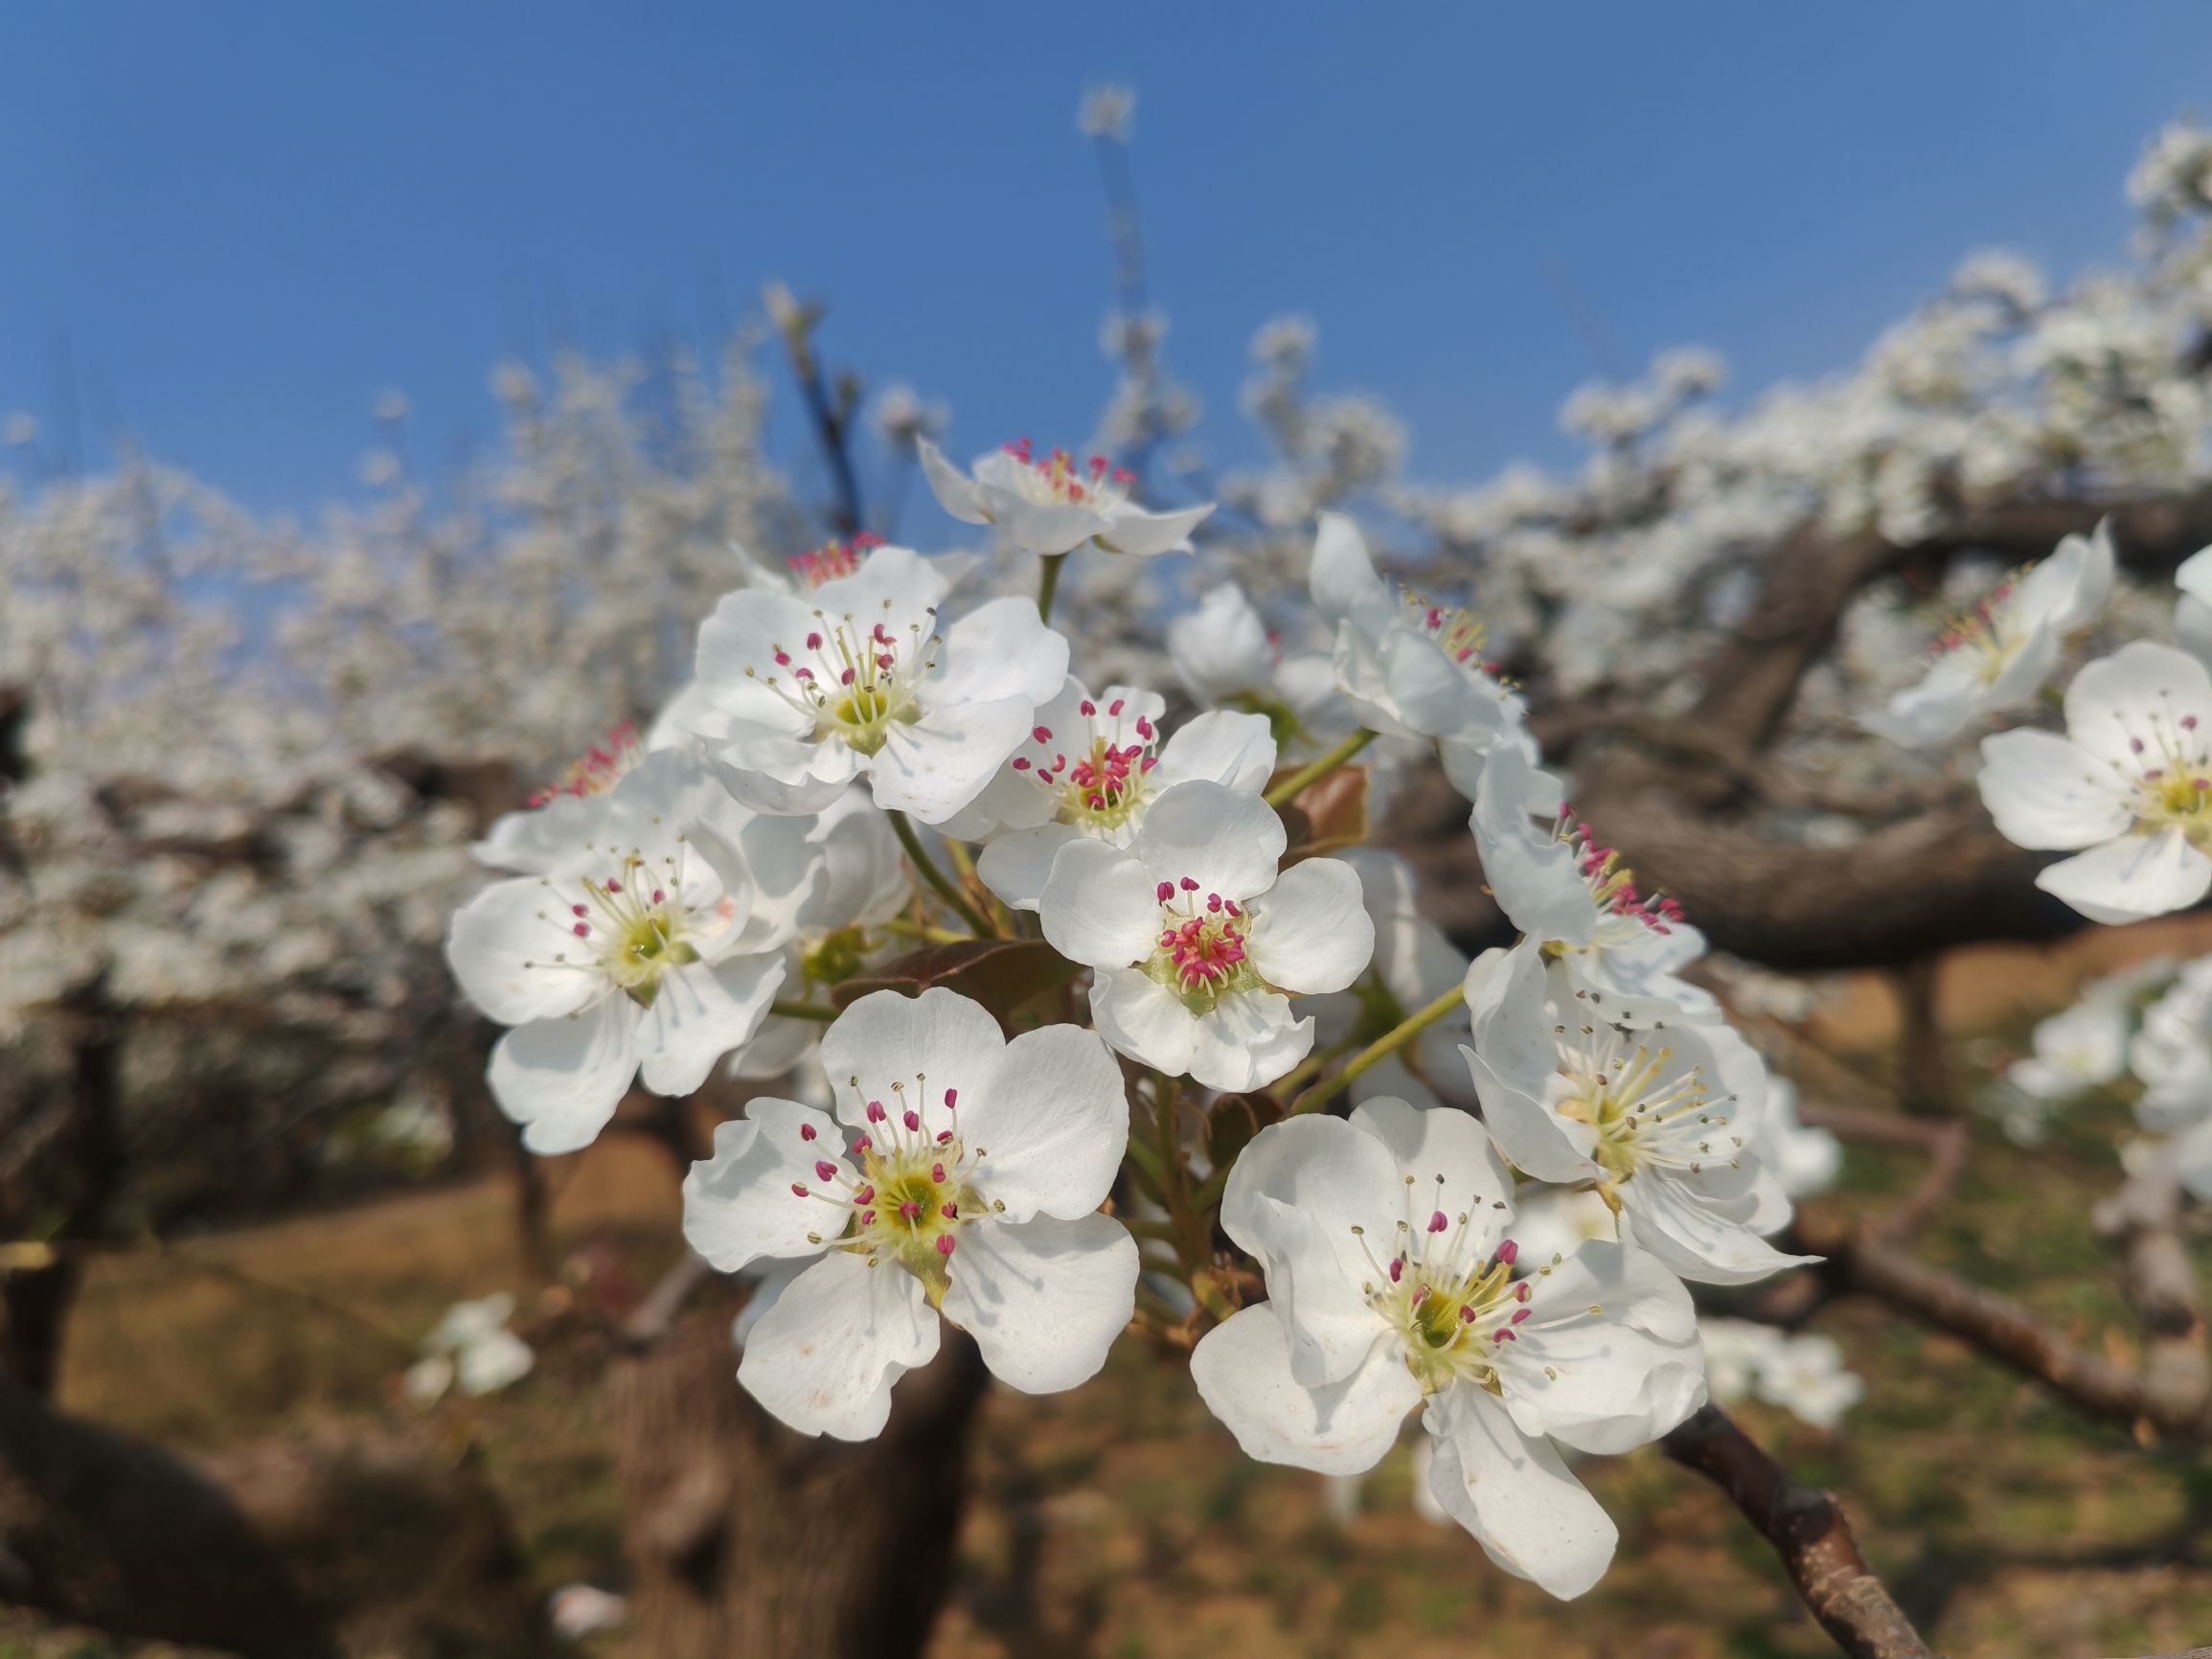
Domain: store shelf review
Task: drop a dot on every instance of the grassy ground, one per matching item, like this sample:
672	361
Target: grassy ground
1137	1531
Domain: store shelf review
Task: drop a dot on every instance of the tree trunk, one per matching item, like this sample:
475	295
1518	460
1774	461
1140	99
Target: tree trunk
301	1548
750	1541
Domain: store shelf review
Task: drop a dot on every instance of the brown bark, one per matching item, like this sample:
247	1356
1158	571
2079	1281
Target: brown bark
1808	1531
750	1541
292	1551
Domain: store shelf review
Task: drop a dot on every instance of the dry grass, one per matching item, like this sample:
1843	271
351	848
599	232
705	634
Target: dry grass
1130	1526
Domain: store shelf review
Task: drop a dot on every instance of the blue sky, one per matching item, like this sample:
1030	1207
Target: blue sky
227	226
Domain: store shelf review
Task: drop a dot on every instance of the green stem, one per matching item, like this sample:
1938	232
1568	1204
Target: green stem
1048	585
814	1011
1382	1048
1305	777
936	877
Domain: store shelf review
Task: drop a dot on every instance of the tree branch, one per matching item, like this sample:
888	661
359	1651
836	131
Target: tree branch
1808	1531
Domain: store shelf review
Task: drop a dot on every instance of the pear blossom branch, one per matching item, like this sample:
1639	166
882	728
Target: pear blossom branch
1807	1530
795	324
927	867
1380	1049
2172	1396
1306	776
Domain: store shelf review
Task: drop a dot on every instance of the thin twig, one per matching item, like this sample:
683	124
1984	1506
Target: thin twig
654	1318
1808	1531
1869	1259
1305	777
1380	1049
927	867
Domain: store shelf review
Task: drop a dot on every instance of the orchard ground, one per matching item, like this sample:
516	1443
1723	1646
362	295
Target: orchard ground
1119	1521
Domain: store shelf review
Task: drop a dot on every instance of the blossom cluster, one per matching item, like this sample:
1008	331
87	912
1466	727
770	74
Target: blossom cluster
857	781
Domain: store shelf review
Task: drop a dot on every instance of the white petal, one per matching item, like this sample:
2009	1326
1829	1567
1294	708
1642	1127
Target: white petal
1220	648
1234	750
1532	874
1000	649
561	1079
884	1037
1099	905
952	488
1143	1020
1613	1380
1147	534
896	586
537	840
2044	791
1242	1370
1443	1141
824	1358
2138	692
1516	1495
786	777
1664	1217
1427	689
790	871
1249	1039
745	631
1058	527
1225	840
501	947
1016	866
1928	713
1053	1121
1293	1200
779	1045
2132	878
1310	931
1342	580
700	1014
1044	1298
931	770
739	1206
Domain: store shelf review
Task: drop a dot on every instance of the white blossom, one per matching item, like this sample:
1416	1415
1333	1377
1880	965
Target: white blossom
649	947
1383	1240
2128	789
1410	668
471	1346
1804	1375
1093	767
961	1176
1659	1112
1197	941
1056	505
804	692
1998	655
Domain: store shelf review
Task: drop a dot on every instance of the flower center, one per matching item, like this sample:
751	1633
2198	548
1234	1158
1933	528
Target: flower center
1647	1111
1456	631
1611	883
833	559
2175	791
1057	481
1982	633
912	1194
635	926
835	957
601	767
1453	1307
1105	782
1201	953
854	681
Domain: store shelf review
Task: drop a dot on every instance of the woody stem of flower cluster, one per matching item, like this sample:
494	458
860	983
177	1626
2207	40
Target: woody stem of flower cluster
1382	1048
1048	585
1305	777
928	870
